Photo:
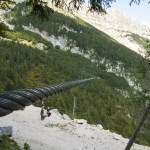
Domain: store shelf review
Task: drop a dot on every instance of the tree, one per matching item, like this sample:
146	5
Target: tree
3	28
6	4
137	2
40	7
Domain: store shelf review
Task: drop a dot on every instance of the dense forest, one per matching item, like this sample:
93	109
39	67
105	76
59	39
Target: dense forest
85	36
100	101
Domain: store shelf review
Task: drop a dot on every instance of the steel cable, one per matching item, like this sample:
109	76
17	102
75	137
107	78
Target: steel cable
17	100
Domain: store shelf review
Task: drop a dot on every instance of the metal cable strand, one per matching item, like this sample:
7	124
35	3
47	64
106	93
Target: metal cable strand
17	100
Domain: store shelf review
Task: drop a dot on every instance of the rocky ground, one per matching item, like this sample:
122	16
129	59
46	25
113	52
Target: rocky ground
59	132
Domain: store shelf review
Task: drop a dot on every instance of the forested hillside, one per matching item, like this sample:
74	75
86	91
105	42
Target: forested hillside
108	100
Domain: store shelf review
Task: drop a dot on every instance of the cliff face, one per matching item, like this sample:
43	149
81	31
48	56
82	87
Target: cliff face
119	26
116	24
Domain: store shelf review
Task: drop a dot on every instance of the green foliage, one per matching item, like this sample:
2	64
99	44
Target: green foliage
57	47
146	44
26	35
39	8
85	36
22	66
141	40
121	120
26	146
7	4
3	28
8	144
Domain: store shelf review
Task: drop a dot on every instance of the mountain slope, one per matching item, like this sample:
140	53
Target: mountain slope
79	37
119	26
64	49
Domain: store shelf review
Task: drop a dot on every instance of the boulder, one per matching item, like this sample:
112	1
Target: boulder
41	46
100	126
6	131
66	117
56	113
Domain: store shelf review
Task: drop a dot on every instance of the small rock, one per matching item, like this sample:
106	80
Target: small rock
41	46
80	121
100	127
56	112
6	131
12	143
66	117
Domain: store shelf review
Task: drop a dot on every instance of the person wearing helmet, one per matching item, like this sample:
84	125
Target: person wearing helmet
48	112
42	114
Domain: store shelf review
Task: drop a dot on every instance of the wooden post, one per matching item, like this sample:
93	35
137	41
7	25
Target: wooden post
74	105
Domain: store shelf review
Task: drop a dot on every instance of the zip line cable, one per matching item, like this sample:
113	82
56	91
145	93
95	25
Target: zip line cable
17	100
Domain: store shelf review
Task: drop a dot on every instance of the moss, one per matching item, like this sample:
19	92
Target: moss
8	144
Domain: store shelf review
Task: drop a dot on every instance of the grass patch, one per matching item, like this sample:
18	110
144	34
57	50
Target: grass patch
8	144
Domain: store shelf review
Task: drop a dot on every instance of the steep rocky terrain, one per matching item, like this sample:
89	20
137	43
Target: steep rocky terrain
59	132
116	24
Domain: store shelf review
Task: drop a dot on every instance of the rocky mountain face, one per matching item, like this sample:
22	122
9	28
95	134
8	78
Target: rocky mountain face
117	24
121	27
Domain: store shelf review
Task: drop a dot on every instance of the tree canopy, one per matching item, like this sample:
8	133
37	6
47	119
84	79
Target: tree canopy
40	7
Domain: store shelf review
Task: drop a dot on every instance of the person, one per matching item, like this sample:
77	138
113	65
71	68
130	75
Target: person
42	103
42	114
48	112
